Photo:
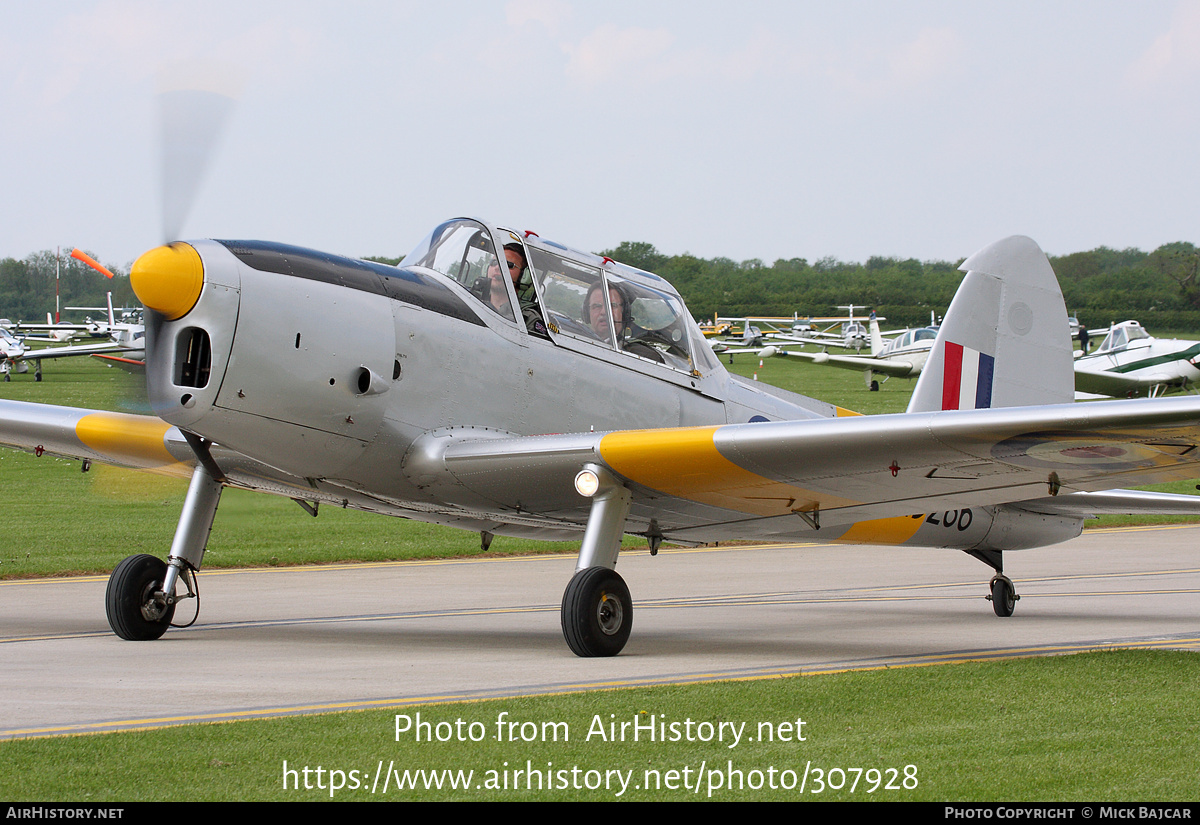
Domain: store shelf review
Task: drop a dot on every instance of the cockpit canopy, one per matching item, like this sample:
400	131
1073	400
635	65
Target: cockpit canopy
914	336
1122	335
576	299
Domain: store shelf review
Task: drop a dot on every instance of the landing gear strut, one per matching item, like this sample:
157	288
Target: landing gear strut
597	611
1001	592
140	599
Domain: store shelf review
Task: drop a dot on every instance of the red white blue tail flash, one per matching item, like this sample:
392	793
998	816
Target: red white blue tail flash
967	378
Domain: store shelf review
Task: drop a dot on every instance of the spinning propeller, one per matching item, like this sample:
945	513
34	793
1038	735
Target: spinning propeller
193	108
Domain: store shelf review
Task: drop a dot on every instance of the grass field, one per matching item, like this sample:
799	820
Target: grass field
1093	727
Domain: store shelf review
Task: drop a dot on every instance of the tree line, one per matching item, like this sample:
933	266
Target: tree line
1159	288
27	287
1103	286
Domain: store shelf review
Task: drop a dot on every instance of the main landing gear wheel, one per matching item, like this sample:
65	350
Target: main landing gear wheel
134	612
1004	596
597	613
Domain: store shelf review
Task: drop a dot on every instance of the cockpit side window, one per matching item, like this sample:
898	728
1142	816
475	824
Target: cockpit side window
566	288
653	324
464	251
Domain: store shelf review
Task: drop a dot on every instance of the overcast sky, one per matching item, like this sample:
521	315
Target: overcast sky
748	130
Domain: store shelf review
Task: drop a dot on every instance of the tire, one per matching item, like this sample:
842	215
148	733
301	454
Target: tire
129	588
597	613
1004	598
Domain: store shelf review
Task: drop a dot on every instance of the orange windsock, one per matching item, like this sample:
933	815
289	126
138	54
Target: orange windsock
90	261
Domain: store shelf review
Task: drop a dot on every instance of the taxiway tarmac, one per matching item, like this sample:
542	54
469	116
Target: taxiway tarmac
295	640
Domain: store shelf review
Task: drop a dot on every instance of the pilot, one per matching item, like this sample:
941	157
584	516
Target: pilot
497	294
522	280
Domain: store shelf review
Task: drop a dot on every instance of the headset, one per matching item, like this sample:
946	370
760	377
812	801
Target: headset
626	302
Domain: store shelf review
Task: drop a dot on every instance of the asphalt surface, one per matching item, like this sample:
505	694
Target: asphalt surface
300	640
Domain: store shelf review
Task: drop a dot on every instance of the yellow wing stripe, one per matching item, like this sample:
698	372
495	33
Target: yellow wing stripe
139	438
686	463
883	530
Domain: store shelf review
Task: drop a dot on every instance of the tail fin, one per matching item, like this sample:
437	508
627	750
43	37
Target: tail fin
1004	341
111	320
876	336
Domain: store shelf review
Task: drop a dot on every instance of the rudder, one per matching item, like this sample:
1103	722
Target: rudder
1004	341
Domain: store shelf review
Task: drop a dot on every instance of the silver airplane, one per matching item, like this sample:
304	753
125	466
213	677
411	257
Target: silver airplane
578	398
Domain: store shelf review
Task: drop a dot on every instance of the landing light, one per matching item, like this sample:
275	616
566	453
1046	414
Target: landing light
587	483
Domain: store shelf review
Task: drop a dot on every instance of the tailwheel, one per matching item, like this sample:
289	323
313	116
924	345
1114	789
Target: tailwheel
597	613
137	609
1004	596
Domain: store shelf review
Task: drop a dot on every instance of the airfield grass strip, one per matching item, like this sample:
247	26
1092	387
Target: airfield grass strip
1120	725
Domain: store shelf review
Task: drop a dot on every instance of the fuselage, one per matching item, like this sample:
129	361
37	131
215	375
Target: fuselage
331	368
348	377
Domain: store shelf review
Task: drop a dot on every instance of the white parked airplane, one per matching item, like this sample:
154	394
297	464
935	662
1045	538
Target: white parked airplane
126	344
903	356
12	349
1130	362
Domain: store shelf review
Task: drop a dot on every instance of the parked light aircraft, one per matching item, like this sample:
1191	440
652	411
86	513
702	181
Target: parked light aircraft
53	333
846	332
429	390
902	356
12	349
126	343
1131	362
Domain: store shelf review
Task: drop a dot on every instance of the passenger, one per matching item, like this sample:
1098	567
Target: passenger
595	316
597	319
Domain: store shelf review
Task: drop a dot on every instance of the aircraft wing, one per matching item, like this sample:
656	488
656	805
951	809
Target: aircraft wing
896	367
749	480
140	442
67	352
1115	502
851	469
1116	384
